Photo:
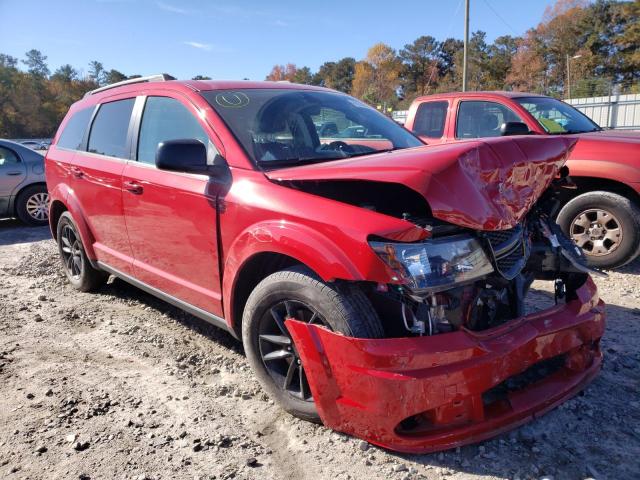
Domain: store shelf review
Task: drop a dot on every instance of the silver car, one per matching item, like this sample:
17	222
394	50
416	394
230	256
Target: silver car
23	191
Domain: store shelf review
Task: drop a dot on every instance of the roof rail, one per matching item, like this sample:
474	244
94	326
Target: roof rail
163	77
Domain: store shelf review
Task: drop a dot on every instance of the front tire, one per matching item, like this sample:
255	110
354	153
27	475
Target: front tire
79	271
298	293
32	205
605	225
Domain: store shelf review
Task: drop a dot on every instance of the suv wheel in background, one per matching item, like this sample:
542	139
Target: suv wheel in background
299	294
605	225
32	205
76	265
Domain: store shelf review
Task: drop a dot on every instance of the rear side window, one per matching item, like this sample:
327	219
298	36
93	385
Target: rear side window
108	134
73	133
8	158
166	119
478	119
430	118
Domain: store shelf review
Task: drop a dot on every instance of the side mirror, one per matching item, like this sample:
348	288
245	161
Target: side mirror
186	155
514	128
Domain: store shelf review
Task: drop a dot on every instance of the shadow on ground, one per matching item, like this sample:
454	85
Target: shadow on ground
14	231
123	290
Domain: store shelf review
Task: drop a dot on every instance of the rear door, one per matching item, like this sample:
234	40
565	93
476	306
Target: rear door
12	173
97	181
171	217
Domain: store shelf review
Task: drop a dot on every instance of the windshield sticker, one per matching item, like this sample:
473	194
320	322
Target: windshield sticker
232	100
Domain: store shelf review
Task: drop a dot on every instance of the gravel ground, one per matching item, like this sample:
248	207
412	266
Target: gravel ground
120	385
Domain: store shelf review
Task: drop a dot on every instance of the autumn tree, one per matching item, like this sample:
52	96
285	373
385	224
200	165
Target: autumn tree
281	73
383	72
528	67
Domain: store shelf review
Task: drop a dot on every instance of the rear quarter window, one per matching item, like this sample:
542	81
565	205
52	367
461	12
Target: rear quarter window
73	133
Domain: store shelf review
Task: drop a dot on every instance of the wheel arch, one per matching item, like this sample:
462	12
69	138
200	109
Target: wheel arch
14	207
255	269
587	184
56	209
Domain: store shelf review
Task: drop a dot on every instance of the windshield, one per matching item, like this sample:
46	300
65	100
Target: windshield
557	117
280	127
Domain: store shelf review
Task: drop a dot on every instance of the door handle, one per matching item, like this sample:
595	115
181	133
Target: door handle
13	174
76	172
133	187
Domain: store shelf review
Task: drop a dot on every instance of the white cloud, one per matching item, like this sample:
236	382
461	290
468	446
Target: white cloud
200	46
171	8
208	47
280	23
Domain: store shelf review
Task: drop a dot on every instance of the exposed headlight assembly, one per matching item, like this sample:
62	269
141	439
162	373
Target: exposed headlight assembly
436	265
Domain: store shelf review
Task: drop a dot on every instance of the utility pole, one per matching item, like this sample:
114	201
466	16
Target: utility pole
568	89
466	46
568	79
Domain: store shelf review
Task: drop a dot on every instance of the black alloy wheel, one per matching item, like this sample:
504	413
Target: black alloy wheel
277	351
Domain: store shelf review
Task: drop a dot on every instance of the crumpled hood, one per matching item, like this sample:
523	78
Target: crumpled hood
488	184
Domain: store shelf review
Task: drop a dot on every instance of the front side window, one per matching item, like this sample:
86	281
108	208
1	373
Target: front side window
73	133
8	158
479	119
430	119
557	117
108	134
280	127
166	119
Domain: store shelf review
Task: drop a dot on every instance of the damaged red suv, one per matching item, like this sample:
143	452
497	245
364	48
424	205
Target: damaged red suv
378	285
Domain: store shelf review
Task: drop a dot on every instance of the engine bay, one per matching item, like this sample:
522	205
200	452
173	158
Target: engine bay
535	249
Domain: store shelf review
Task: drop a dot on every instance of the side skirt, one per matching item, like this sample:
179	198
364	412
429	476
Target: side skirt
176	302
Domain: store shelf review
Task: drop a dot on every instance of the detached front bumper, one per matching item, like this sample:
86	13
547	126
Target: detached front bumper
424	394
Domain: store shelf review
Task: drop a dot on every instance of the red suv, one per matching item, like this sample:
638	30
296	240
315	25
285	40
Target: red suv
378	285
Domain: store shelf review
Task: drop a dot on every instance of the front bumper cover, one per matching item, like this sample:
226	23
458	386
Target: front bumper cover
423	394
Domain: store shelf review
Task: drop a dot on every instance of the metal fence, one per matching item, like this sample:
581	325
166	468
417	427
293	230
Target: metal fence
612	111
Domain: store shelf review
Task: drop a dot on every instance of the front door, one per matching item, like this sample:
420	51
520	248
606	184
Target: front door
171	217
12	173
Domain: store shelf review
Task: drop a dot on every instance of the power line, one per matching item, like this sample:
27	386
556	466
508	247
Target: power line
486	2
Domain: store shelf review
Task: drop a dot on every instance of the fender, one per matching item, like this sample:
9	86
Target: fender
66	195
308	246
609	169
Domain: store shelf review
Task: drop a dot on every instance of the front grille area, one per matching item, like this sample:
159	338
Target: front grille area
535	373
509	249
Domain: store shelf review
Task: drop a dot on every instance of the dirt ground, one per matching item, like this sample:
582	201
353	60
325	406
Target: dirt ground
120	385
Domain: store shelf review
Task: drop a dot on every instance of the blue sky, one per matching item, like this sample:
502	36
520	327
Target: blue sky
233	40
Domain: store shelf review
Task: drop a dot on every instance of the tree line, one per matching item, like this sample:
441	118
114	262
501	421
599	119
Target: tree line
599	42
598	39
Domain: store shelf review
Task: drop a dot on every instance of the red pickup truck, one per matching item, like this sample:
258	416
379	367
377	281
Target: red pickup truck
602	215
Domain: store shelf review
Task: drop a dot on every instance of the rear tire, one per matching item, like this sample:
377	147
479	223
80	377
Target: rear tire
32	205
605	225
75	264
297	292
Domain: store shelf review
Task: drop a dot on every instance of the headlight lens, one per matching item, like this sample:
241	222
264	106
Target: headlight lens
437	264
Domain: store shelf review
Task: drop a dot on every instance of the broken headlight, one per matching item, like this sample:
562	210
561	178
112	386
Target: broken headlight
435	265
